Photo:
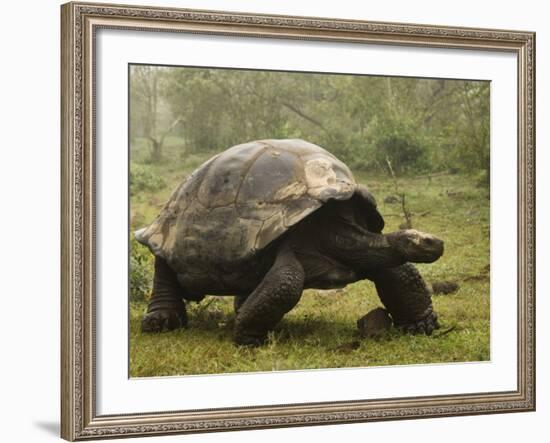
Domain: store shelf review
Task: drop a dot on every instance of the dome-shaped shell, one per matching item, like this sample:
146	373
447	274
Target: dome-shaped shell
241	200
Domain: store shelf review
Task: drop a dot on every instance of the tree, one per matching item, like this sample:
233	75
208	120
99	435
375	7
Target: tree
150	112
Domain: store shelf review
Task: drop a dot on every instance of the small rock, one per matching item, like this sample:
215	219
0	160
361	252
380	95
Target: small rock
374	324
444	287
391	199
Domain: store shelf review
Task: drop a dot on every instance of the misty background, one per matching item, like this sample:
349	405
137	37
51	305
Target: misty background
419	125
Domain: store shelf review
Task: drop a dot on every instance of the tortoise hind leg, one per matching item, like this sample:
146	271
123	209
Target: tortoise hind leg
238	302
278	293
407	297
166	310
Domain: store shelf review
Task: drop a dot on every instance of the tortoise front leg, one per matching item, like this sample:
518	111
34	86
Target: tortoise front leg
278	293
166	310
407	297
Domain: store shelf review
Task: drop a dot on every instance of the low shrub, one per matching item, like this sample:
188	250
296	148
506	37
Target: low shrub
144	178
141	271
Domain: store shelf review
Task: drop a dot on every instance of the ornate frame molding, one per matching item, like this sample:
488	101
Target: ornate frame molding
79	23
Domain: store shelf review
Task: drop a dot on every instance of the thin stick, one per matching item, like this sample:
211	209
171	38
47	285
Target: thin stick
406	213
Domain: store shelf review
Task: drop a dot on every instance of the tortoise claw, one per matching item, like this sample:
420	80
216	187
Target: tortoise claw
249	337
251	341
425	325
163	320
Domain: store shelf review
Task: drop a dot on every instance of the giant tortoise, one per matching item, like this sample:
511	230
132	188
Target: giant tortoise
264	220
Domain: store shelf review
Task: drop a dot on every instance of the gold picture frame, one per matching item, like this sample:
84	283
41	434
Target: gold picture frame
80	21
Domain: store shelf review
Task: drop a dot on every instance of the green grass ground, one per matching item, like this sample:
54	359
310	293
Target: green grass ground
321	331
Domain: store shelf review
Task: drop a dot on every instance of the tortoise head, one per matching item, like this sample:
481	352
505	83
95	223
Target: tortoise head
416	246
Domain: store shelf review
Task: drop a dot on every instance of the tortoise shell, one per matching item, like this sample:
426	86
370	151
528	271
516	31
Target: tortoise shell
238	202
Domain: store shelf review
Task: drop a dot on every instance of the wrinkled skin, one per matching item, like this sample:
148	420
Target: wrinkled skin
331	248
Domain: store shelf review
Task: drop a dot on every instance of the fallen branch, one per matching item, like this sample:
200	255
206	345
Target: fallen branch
445	332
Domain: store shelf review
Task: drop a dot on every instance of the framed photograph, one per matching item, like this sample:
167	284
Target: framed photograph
277	221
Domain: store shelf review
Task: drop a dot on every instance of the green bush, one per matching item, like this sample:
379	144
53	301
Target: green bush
144	178
404	153
141	271
400	142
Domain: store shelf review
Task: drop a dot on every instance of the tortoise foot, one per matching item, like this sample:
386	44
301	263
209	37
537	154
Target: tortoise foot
248	339
163	320
426	325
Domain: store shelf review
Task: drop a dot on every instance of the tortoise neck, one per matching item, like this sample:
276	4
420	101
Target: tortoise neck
363	250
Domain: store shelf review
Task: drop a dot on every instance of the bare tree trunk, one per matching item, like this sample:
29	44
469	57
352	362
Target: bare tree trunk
156	151
157	143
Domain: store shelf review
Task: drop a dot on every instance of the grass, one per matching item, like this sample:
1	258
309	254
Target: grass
321	331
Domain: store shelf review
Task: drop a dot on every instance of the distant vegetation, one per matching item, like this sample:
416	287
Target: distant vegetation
420	125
